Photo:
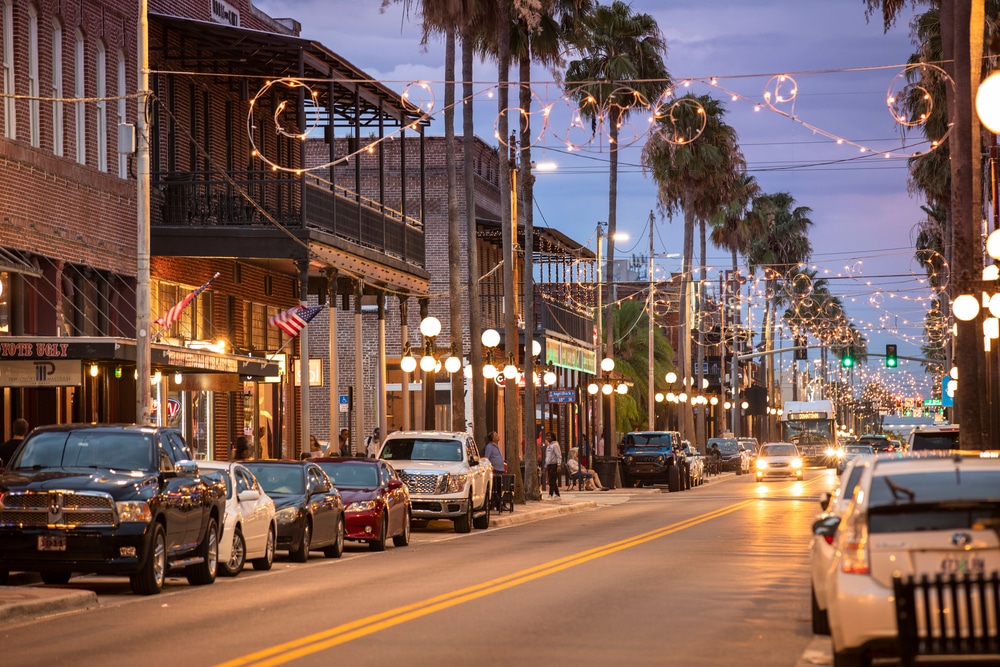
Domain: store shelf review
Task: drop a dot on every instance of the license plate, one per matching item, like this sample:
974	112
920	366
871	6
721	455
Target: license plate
52	543
962	565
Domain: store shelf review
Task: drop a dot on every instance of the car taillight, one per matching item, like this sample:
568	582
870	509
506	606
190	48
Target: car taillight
828	538
854	546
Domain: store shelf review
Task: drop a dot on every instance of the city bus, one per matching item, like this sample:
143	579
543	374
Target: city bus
812	427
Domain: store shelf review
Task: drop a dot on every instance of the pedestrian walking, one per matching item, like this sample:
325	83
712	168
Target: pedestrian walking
553	461
372	444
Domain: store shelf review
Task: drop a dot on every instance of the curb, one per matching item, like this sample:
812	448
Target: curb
533	512
30	602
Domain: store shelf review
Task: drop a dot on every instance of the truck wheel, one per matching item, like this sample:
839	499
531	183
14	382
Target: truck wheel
482	522
674	479
203	573
463	524
300	554
55	578
149	579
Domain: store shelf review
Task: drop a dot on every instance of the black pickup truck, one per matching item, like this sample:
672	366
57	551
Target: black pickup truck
109	499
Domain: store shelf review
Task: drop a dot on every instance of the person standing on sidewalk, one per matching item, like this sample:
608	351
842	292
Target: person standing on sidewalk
372	444
19	429
553	461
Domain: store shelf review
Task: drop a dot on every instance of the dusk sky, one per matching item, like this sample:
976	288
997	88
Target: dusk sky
843	66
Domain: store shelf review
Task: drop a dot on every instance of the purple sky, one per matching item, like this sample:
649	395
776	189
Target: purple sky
862	213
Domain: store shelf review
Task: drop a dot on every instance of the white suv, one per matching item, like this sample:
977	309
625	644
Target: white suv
910	515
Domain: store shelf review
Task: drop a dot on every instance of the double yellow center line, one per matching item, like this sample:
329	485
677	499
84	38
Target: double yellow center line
314	643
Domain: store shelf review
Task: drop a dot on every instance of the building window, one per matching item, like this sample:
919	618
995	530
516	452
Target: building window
79	65
34	104
9	115
195	322
101	78
57	88
122	157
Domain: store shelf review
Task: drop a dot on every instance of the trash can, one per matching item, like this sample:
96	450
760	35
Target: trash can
607	469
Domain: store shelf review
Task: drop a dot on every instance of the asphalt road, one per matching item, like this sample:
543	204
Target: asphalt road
713	576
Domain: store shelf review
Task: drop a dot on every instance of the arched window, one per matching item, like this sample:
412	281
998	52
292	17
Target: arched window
9	114
101	78
34	105
57	88
79	91
122	158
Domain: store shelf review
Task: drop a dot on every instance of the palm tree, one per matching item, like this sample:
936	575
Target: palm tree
631	323
731	230
617	48
962	49
697	178
780	244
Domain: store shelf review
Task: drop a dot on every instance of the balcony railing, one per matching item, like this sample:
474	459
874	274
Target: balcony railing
201	198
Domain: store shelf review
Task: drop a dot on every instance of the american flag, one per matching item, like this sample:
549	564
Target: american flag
294	320
174	313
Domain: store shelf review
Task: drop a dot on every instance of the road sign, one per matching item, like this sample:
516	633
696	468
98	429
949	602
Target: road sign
344	402
948	387
562	395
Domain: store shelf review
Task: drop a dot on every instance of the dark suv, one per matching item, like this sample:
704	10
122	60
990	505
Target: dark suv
655	457
109	499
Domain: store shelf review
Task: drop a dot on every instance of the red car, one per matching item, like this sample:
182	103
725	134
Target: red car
376	501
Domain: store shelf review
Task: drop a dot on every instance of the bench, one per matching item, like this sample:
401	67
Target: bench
948	616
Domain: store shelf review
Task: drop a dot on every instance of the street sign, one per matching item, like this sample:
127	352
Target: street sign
562	395
948	387
932	402
344	402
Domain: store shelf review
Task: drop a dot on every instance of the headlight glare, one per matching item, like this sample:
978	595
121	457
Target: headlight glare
287	515
761	464
796	463
456	483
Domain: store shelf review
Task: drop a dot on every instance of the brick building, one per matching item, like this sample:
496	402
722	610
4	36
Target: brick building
225	200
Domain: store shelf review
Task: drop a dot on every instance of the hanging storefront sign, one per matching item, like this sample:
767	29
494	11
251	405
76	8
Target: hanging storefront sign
41	373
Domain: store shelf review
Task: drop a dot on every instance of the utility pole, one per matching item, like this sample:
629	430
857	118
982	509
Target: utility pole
143	364
649	316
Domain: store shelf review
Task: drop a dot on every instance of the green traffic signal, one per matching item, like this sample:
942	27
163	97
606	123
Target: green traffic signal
847	361
891	360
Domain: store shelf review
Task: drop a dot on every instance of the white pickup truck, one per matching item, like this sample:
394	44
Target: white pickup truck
446	476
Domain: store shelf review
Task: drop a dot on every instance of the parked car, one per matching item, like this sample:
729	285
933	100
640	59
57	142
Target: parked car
934	437
654	457
110	499
446	476
851	452
249	530
751	446
824	530
695	464
910	515
377	501
779	459
309	511
734	456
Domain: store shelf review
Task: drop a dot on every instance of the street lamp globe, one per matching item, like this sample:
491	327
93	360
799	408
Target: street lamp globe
744	405
491	338
467	371
714	400
427	363
622	388
965	307
452	364
549	377
993	244
592	388
536	348
671	377
489	371
510	371
430	327
995	305
607	389
607	364
727	405
704	383
682	397
658	397
408	364
672	397
988	103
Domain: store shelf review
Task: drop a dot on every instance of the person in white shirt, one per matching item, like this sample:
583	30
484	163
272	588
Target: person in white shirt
588	478
372	444
553	461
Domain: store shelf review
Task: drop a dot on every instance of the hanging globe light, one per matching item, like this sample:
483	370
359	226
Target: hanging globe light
408	364
965	307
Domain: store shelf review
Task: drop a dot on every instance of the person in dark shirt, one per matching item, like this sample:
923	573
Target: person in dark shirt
19	429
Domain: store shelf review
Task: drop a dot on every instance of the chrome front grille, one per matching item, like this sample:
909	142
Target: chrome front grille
62	509
422	482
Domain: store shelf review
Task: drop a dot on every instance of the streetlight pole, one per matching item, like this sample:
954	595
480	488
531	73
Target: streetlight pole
649	317
600	332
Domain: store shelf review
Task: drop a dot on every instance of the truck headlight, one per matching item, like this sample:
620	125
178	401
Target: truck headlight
455	483
761	464
133	511
796	463
361	506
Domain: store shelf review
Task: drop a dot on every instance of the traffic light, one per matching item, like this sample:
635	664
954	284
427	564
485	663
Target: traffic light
847	361
890	356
